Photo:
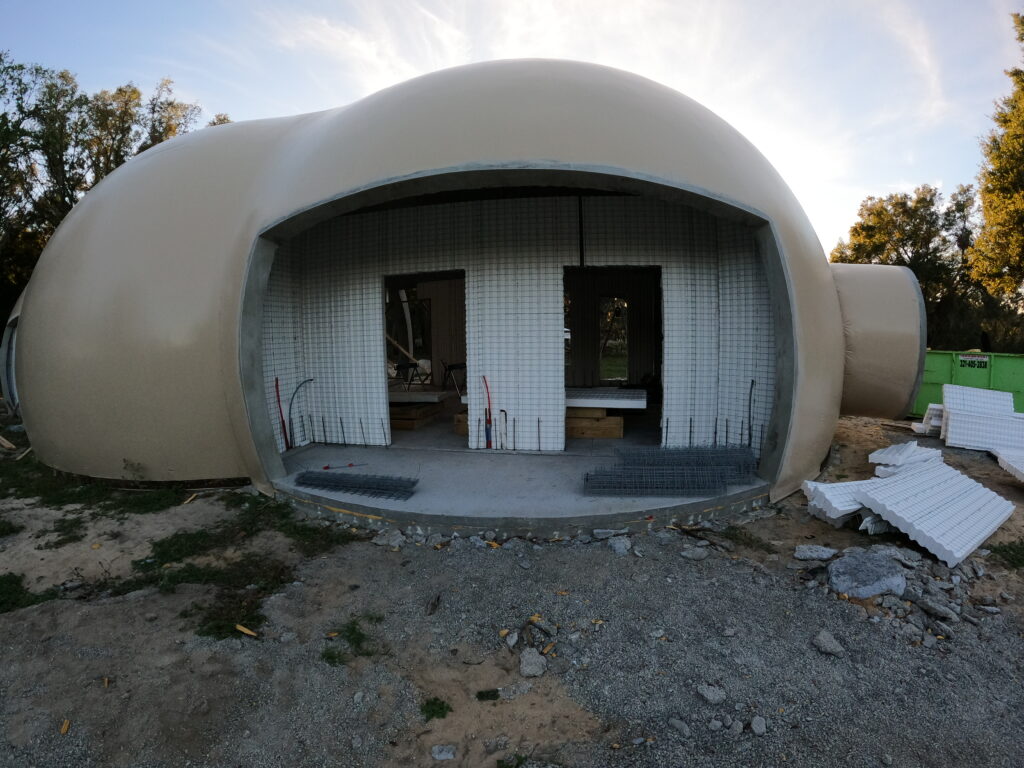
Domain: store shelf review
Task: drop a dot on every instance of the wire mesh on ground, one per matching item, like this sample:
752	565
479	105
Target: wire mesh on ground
672	472
377	486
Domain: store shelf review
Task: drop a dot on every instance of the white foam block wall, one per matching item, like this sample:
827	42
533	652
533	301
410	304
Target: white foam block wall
746	343
515	321
717	321
282	345
324	315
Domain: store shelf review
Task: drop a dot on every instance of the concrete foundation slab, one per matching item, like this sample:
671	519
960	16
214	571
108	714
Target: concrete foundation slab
514	493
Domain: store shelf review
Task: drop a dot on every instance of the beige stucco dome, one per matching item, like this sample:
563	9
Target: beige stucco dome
139	334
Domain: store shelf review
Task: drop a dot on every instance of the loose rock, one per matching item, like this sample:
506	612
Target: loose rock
679	725
393	539
758	725
712	694
826	643
443	751
531	663
866	574
814	552
607	533
695	554
619	544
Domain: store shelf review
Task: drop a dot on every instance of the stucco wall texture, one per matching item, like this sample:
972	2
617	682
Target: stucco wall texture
131	331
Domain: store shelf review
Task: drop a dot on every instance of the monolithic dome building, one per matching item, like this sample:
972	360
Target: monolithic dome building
423	282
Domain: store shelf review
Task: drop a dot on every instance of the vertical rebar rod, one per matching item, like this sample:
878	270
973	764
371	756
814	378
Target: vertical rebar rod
362	431
341	423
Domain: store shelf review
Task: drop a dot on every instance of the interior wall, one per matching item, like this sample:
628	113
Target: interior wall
718	332
324	315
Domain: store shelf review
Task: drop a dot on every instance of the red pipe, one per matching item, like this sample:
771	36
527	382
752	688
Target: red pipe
487	423
280	414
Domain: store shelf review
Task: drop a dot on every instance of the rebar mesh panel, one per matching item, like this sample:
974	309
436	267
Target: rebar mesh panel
378	486
655	481
737	462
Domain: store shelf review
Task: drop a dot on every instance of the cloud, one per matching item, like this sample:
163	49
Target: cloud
790	77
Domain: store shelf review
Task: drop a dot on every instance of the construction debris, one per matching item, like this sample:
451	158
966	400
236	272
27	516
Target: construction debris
915	492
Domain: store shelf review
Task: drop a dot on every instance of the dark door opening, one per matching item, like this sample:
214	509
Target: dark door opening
613	328
425	338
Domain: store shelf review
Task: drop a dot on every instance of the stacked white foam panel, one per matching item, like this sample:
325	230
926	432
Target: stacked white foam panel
835	503
980	419
897	457
942	509
931	422
1012	462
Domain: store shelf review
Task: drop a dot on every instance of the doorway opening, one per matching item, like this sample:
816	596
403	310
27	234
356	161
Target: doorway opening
613	357
425	339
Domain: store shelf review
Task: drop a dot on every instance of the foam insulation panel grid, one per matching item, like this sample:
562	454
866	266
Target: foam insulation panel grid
940	508
1012	462
956	397
719	334
324	313
982	431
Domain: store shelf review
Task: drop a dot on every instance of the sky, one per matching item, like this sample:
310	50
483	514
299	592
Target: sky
846	98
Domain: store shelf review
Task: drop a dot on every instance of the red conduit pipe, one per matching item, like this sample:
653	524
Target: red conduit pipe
280	414
487	420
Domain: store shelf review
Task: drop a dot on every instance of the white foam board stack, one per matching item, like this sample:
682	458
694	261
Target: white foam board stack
931	422
940	508
1012	462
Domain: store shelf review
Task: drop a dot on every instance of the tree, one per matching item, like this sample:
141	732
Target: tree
18	86
932	238
165	116
997	258
221	118
114	129
57	142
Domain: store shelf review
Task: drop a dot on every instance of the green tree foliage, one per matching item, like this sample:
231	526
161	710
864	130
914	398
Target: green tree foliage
57	142
997	258
932	238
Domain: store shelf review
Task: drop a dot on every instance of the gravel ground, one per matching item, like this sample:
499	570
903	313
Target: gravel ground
637	636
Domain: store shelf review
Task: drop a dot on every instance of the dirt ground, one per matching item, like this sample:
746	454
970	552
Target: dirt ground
105	679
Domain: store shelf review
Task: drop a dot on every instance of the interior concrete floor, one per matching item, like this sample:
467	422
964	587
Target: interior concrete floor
455	482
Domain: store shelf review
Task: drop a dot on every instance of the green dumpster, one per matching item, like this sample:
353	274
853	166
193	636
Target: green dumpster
987	370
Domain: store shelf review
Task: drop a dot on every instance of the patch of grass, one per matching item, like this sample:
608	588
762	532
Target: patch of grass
358	640
334	656
745	538
68	529
1011	553
491	694
435	708
14	595
241	585
31	479
7	528
255	514
515	761
259	513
